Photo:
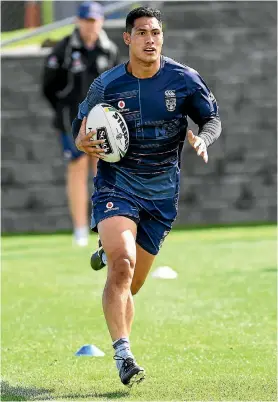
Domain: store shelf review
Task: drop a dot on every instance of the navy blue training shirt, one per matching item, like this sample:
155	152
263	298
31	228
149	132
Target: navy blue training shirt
155	110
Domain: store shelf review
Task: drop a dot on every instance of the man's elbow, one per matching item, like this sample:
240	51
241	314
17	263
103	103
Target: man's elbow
218	124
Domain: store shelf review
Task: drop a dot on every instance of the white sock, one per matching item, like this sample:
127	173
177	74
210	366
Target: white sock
122	350
82	231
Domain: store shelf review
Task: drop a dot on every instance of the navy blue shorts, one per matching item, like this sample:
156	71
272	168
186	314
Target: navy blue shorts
154	218
70	151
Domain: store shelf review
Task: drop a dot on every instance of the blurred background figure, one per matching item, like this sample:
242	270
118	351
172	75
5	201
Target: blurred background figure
32	14
69	69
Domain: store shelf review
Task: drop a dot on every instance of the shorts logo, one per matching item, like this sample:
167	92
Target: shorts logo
170	100
121	104
110	207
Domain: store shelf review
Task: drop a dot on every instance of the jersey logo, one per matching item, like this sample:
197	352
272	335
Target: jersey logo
121	104
76	55
170	100
52	62
211	97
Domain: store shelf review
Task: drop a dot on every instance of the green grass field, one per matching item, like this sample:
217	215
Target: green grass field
208	335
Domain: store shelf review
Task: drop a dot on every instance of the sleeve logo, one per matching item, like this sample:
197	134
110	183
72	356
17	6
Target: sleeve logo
211	97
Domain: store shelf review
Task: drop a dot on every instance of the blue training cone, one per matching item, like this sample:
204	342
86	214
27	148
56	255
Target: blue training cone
89	350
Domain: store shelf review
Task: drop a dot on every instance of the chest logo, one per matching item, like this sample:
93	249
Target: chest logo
121	104
170	100
76	55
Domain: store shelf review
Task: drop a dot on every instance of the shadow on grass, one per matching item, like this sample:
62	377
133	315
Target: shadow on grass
270	269
109	395
114	395
20	393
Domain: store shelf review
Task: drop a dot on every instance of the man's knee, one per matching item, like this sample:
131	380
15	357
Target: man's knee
121	269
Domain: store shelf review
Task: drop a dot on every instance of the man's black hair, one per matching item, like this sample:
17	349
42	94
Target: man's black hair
141	12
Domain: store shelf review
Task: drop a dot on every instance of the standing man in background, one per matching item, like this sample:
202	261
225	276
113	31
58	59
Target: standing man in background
70	68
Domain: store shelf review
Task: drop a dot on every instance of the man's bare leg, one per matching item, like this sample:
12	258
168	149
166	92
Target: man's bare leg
144	261
118	238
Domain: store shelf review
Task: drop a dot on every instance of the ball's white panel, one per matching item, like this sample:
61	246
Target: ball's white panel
110	126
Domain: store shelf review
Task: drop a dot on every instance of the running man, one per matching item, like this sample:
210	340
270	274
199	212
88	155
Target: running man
155	94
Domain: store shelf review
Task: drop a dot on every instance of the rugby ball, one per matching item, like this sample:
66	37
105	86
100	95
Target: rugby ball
110	126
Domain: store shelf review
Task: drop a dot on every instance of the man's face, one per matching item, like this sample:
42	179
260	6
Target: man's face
145	40
89	28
